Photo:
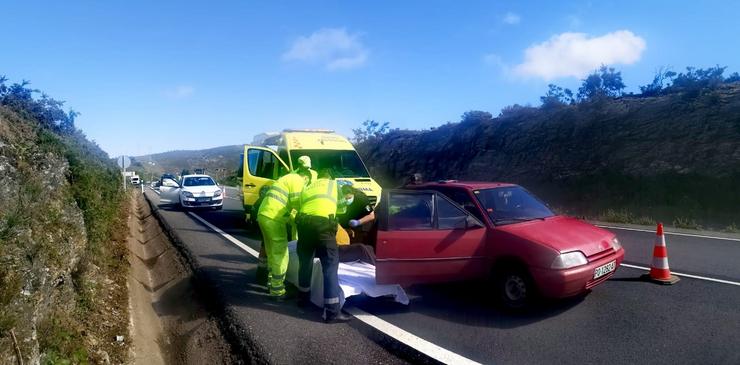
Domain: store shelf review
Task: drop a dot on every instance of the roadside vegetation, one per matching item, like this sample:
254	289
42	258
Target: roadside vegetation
62	237
663	154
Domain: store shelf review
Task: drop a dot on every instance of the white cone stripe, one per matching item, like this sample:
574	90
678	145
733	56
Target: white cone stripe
660	241
660	263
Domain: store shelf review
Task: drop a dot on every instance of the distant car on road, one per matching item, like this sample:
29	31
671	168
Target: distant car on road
135	180
194	191
448	231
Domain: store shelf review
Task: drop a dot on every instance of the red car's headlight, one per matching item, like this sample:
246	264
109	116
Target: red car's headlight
568	260
615	244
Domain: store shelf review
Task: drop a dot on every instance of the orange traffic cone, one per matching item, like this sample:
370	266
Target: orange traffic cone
659	271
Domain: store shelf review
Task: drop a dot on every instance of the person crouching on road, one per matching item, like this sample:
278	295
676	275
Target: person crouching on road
274	214
317	229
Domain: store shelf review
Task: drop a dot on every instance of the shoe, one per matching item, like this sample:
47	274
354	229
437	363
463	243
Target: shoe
282	297
338	317
278	298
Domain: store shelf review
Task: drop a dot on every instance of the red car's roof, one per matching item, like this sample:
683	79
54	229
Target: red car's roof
474	185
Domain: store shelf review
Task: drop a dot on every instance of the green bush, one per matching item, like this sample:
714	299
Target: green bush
688	223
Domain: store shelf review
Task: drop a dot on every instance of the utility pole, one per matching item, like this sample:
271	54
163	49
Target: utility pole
123	163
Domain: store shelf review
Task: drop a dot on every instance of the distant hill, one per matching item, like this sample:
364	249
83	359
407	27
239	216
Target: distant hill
218	162
674	157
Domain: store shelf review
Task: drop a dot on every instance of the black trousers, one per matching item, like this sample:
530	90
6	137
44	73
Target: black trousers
317	237
357	252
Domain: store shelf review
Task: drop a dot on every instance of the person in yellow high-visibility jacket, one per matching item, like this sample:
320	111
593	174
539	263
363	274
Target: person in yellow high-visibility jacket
317	229
274	215
304	162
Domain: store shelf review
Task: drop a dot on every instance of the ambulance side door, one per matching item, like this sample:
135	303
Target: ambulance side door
262	166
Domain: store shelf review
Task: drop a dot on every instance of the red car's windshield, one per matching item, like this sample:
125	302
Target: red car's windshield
511	204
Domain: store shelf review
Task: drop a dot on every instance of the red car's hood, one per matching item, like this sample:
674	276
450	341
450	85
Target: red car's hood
563	234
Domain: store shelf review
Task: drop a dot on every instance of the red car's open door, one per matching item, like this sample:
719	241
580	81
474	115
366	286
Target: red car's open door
424	237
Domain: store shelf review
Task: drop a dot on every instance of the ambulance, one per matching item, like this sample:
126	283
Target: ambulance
273	155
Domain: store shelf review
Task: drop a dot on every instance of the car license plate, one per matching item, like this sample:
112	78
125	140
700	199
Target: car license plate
202	200
605	269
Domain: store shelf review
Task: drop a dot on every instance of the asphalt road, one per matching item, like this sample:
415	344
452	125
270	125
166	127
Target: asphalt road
623	320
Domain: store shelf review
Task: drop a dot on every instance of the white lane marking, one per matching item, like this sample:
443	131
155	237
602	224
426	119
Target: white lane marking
419	344
687	275
229	237
438	353
672	233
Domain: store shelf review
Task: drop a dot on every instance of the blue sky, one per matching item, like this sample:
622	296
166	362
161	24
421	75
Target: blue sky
151	77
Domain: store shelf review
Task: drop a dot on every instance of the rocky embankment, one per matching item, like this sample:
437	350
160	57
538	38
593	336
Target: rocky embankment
62	255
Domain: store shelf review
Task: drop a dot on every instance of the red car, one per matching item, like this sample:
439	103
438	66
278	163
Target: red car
448	231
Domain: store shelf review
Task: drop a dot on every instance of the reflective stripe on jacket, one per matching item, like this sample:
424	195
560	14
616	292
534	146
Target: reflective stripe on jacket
283	196
320	198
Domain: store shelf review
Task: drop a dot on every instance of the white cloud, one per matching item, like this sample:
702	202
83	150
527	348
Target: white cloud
333	48
577	54
512	18
180	92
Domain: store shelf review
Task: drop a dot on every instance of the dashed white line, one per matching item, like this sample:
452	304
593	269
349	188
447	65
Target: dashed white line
419	344
671	233
687	275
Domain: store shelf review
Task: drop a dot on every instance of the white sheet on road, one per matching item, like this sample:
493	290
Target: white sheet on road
354	278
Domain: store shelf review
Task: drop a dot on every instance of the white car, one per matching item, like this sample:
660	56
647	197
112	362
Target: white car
193	191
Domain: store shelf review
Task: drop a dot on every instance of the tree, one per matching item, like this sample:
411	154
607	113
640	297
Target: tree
699	78
604	82
370	130
734	77
512	111
47	111
476	116
556	96
662	78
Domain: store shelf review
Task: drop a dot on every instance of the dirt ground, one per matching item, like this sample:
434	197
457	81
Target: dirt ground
168	323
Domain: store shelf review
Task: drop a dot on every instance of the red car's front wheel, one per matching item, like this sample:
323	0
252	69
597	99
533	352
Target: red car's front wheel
514	286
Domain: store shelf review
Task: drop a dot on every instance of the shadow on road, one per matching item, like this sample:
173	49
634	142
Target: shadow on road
465	303
238	259
237	288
